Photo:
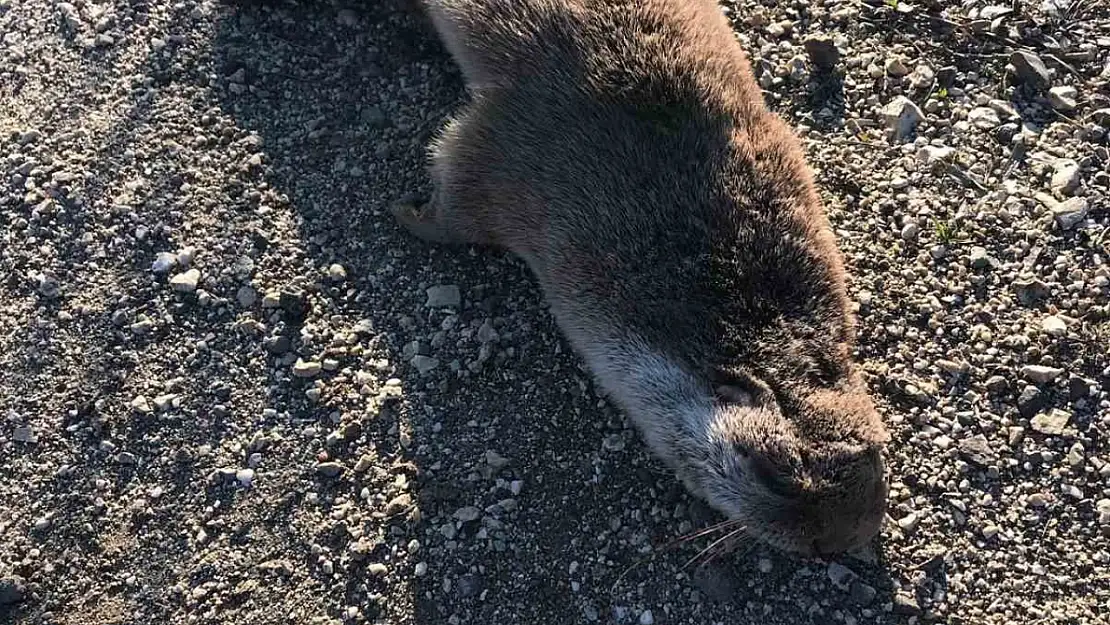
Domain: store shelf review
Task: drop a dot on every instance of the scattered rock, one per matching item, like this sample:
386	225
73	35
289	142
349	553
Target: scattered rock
186	282
979	258
443	296
1051	423
307	368
902	116
977	450
896	67
329	469
1031	291
294	304
337	272
931	154
1070	213
1040	374
997	384
163	262
1063	98
862	594
468	514
25	434
1080	388
1065	176
1030	70
1031	401
1054	326
922	77
424	364
840	575
983	117
906	605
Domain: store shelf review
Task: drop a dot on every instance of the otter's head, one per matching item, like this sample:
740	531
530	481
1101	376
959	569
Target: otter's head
804	474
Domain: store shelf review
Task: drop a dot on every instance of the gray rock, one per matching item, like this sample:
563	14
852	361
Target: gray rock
424	364
1063	98
840	575
1070	213
1030	70
977	450
1040	374
896	67
922	77
186	282
902	116
1080	388
983	117
1031	291
470	586
1051	423
294	304
1031	401
861	593
279	345
486	333
1065	176
307	368
931	154
946	76
468	514
246	296
26	435
337	272
329	469
1053	325
997	384
906	605
443	296
163	262
979	258
910	231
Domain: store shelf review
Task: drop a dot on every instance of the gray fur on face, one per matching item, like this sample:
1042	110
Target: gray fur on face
623	149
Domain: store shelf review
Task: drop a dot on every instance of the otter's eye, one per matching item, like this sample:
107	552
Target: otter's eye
776	480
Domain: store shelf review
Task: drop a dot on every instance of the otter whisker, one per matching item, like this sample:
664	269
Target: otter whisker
723	542
712	529
728	524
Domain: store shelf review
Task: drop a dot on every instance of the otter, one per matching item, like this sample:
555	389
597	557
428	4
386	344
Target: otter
623	150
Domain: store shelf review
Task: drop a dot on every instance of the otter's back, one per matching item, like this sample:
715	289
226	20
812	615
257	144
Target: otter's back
626	153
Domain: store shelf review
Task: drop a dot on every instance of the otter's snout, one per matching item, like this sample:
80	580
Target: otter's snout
850	514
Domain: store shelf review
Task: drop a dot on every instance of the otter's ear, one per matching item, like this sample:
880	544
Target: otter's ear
738	387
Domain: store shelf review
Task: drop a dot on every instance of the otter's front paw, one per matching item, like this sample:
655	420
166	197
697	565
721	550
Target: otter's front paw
419	218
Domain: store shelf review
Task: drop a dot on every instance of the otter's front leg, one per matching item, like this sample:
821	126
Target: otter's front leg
423	219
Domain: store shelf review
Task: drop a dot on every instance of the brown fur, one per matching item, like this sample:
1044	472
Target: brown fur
623	149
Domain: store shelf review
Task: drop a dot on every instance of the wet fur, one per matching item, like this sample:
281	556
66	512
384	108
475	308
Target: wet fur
623	149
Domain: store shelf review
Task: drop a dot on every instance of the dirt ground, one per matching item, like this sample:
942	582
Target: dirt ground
234	392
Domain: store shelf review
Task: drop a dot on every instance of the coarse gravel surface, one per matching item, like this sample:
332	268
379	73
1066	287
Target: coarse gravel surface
233	391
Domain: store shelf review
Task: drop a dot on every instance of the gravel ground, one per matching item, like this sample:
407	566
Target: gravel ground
234	391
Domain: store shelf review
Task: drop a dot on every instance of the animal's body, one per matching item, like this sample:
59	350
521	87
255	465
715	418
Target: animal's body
622	148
